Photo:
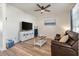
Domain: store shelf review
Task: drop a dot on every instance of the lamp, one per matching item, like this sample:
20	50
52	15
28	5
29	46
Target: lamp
42	11
66	28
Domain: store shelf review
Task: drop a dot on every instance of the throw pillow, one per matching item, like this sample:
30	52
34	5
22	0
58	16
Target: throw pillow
64	39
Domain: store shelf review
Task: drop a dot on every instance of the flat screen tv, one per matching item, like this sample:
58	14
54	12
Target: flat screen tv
26	26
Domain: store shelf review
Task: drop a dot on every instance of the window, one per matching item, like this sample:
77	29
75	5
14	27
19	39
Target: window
75	18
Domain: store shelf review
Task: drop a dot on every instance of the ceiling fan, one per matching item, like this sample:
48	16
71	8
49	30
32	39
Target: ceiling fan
43	8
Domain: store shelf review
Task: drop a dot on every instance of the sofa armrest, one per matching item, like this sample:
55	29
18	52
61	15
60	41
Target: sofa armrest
60	43
61	49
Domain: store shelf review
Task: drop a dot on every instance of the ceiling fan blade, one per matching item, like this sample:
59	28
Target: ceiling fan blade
38	10
47	6
47	10
38	5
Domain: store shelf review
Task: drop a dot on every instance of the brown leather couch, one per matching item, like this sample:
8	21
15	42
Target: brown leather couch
70	48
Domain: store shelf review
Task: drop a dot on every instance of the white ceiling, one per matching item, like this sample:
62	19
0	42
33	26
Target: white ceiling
56	8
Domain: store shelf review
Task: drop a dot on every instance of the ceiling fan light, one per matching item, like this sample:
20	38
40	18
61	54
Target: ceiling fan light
42	10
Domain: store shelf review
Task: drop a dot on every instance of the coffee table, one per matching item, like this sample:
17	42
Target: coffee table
40	42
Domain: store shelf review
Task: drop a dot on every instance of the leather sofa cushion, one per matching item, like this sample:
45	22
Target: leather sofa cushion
70	41
75	46
73	35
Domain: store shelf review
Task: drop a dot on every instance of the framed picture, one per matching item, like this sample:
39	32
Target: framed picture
49	22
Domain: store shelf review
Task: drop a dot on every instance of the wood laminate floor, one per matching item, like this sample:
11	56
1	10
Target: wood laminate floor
25	49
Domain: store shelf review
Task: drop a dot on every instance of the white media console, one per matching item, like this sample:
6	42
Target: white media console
26	35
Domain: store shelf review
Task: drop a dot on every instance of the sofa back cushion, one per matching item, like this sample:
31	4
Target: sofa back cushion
73	37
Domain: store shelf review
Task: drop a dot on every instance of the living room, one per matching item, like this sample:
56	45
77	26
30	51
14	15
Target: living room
48	24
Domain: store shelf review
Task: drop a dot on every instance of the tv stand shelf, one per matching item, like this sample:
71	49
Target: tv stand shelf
26	35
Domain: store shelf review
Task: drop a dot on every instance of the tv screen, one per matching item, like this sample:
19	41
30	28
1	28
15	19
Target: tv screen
26	26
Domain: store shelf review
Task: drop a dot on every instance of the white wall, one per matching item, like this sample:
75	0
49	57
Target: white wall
62	24
14	17
0	18
2	22
0	26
